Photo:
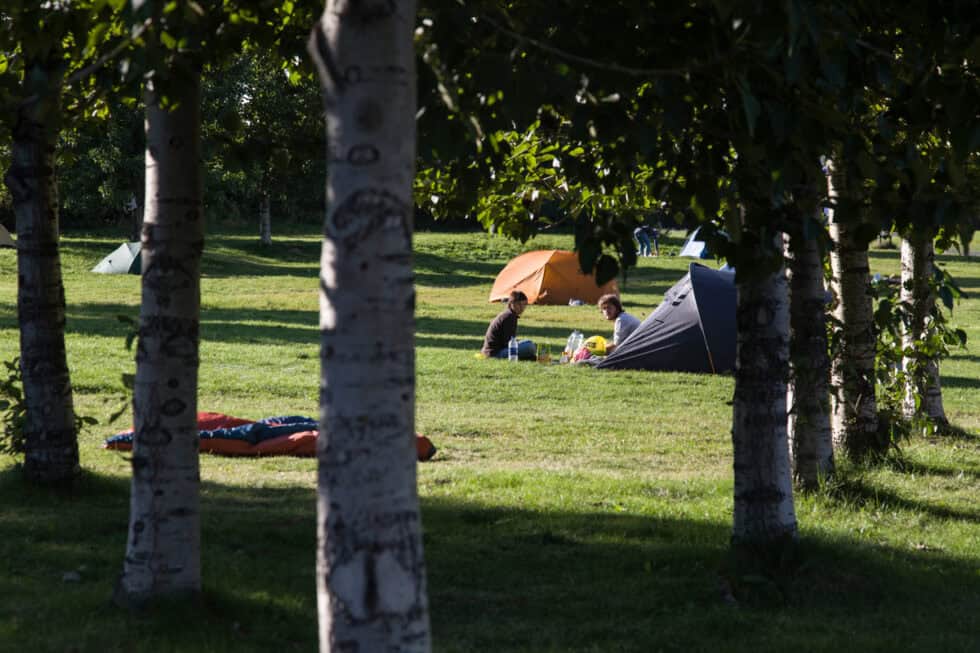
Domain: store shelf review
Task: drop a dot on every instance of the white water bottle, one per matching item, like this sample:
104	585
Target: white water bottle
512	349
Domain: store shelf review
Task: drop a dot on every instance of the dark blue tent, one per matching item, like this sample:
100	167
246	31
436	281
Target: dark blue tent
693	329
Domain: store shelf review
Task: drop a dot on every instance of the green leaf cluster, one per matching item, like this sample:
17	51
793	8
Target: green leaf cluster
13	410
899	364
730	105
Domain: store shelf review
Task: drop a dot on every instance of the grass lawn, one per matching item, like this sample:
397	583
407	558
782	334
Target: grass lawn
567	509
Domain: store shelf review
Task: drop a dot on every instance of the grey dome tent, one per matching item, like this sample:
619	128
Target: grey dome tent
693	247
124	259
5	239
693	329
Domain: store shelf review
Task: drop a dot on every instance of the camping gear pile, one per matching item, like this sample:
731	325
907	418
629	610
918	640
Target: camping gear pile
580	349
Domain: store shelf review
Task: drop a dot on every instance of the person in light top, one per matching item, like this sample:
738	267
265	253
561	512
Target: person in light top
624	324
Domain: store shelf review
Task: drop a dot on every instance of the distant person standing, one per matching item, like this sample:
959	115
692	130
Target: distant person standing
642	240
624	323
643	234
504	327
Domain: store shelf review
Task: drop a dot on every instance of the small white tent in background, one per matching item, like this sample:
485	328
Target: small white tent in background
5	239
125	258
693	247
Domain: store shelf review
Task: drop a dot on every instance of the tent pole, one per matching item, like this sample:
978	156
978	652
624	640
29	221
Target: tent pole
711	359
704	336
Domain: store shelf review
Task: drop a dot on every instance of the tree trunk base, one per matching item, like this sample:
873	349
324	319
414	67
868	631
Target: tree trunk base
762	572
147	602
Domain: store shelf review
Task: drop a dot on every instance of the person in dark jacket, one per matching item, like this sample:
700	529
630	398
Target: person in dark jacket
644	234
504	327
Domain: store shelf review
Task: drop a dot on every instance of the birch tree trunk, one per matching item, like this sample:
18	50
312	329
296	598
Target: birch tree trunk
265	219
51	439
808	392
854	409
163	548
918	259
371	589
764	516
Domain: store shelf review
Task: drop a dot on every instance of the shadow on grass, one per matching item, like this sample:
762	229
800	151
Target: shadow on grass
261	326
967	284
921	468
857	491
445	272
972	358
277	326
960	382
500	579
222	265
524	580
257	561
885	254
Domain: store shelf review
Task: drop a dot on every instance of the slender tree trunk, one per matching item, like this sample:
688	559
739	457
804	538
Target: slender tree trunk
163	549
265	219
764	516
136	223
808	392
854	409
51	439
918	259
371	589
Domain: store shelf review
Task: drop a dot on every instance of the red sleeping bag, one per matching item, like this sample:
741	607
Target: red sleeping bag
299	443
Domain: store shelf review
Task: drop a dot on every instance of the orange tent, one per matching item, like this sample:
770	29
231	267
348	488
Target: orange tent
549	277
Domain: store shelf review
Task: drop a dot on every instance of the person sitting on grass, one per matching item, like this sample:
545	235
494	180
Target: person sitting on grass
504	327
625	324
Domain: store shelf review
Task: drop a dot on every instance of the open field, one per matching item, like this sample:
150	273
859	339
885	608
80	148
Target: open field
567	509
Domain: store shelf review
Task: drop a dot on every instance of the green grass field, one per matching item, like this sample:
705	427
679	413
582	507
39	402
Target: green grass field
567	509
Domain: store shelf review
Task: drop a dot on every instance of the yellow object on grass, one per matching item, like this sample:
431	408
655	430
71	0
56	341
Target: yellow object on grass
596	345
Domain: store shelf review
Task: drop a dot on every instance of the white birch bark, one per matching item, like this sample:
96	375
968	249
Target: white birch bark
163	546
854	408
808	391
265	219
763	513
51	439
918	259
371	590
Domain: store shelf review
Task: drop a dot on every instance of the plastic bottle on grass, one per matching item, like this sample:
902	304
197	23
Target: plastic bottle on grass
512	349
574	342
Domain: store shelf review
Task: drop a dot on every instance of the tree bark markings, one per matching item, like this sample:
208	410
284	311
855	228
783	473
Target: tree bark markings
854	408
808	402
163	548
918	260
51	439
763	512
371	587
